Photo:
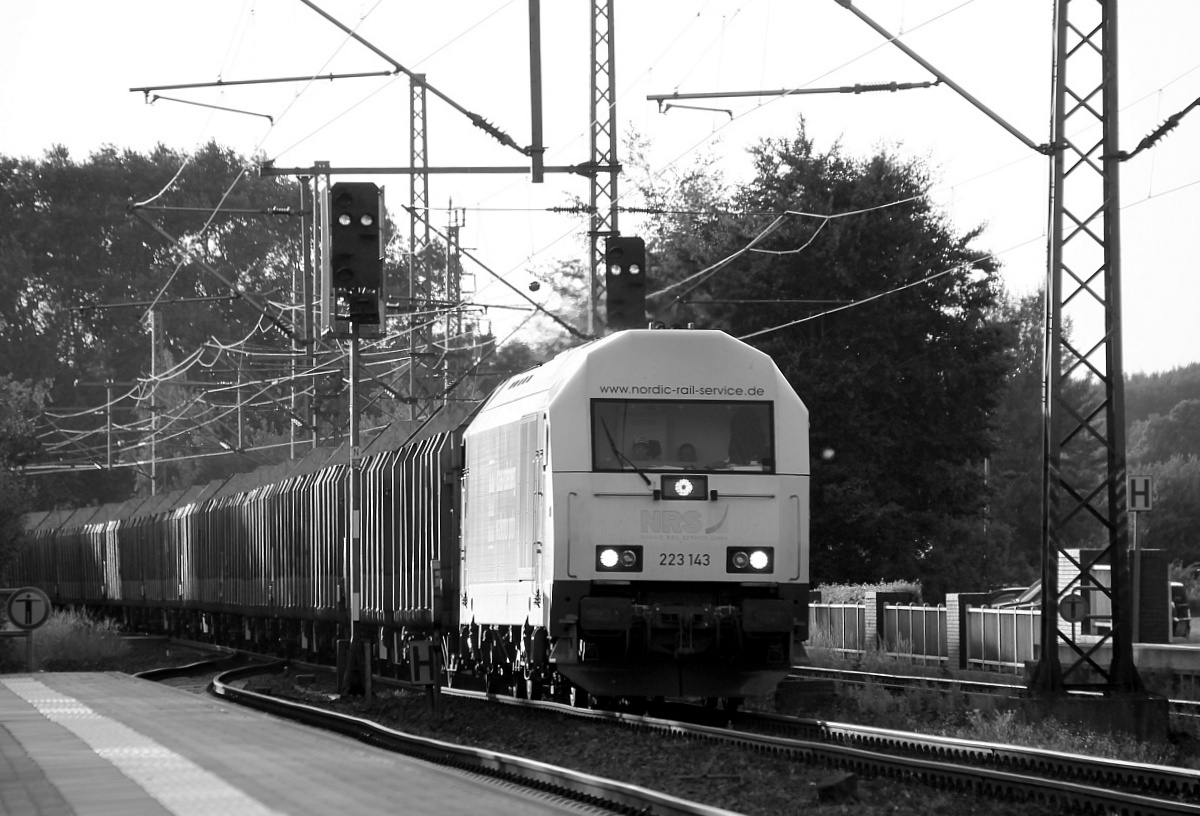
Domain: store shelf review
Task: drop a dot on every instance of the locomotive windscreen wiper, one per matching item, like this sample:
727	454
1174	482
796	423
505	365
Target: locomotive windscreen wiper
622	457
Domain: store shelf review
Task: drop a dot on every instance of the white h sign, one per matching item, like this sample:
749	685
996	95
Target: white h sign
1140	498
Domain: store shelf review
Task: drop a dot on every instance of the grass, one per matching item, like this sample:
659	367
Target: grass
71	641
933	711
68	641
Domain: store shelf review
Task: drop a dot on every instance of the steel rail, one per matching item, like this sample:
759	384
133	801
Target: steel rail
1159	778
987	769
1045	769
616	796
1135	777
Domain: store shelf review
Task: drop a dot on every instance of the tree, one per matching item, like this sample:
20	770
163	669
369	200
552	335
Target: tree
565	305
1015	465
1158	393
20	404
74	260
1167	448
900	383
540	337
1171	526
1159	438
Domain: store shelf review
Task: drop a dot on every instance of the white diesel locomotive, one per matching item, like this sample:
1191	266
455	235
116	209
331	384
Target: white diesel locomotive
642	503
628	520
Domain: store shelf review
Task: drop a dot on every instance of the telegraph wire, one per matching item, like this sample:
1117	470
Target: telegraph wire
799	249
537	306
960	267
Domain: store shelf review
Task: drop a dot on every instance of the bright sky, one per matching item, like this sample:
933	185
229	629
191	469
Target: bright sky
66	67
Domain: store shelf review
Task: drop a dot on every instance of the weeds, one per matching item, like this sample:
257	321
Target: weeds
1051	735
933	711
68	641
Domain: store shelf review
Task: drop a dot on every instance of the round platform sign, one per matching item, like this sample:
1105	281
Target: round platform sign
1073	607
28	608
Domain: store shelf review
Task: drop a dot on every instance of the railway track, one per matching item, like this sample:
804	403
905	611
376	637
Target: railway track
228	677
983	770
998	771
900	682
197	677
1077	780
1184	710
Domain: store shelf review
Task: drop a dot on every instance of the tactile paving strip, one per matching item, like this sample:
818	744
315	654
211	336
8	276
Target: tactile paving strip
177	783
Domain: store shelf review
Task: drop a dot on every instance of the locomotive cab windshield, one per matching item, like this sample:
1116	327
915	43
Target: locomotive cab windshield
649	435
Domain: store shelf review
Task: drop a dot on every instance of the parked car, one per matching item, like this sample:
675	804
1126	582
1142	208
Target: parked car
1181	613
1002	596
1029	597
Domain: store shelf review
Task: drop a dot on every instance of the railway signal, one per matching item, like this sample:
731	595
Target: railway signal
625	282
356	250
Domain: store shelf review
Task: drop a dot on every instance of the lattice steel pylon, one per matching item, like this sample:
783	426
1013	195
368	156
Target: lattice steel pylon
420	275
1084	398
453	345
603	143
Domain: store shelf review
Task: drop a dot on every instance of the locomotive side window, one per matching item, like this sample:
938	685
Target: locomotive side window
682	435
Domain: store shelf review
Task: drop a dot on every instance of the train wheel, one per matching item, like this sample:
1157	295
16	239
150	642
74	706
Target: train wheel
732	704
578	698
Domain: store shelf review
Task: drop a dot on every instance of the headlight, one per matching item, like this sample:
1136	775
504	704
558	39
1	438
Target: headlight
693	488
750	559
619	559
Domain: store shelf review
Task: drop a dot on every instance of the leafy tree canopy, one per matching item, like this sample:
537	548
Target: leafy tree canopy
1167	448
20	404
74	258
82	271
1158	438
1171	525
1158	393
881	317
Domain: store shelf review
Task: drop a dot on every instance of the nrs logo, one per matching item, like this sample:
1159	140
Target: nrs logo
672	521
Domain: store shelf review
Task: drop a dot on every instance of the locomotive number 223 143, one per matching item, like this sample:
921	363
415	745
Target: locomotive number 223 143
683	559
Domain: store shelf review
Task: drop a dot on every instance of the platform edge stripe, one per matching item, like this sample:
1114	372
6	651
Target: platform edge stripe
174	781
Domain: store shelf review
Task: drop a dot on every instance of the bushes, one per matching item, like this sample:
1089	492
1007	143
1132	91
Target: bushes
68	641
857	593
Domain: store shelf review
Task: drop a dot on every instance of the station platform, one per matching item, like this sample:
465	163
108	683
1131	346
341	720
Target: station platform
109	744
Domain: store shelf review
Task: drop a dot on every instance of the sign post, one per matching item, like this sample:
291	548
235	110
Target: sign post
1141	500
1074	609
424	665
27	608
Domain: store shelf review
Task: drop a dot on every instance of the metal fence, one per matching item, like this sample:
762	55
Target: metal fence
1002	640
845	626
996	640
915	632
